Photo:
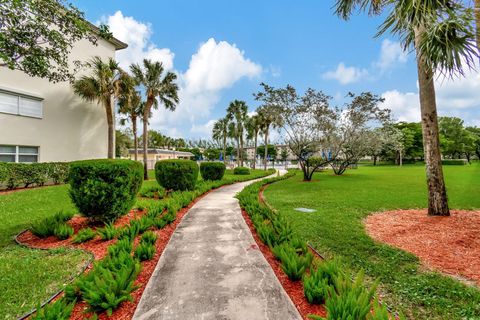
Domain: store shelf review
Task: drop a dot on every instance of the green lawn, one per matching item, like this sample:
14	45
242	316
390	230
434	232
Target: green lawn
336	229
28	277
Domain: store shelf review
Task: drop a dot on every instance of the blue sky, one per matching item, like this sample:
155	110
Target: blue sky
222	50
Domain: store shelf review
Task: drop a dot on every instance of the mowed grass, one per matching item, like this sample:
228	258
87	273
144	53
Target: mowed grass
29	277
336	229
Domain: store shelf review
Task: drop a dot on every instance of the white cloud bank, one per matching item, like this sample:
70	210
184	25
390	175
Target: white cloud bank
216	66
346	75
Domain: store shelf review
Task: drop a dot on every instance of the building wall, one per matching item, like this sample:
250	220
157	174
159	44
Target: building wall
70	128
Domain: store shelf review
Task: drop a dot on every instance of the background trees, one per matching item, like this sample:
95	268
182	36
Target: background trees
102	86
441	32
237	117
130	105
220	133
159	87
254	125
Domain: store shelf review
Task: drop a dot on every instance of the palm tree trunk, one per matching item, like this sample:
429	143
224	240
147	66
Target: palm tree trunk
135	141
266	149
437	194
255	151
477	22
111	130
145	139
241	150
225	148
238	151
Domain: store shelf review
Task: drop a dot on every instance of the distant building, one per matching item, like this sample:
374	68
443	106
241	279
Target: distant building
154	155
41	121
280	147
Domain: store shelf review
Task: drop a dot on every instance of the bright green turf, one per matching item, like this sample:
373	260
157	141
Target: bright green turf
28	277
336	229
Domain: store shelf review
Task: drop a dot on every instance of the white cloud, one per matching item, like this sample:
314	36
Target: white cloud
203	130
391	54
346	75
405	106
137	35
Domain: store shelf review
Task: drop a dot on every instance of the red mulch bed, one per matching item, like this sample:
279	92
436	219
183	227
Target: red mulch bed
293	288
99	249
448	244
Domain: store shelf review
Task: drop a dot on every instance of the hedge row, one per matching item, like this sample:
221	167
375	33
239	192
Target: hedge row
15	175
454	162
345	296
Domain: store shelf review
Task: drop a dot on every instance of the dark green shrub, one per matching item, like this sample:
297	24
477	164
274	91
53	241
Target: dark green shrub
108	232
177	174
63	231
149	237
241	171
144	251
84	235
104	190
59	310
212	170
454	162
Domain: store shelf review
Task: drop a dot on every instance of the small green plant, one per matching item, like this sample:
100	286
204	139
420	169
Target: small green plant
159	223
46	227
293	265
130	231
316	286
169	218
144	251
59	310
84	235
149	237
154	192
241	171
122	245
267	234
108	232
144	223
63	231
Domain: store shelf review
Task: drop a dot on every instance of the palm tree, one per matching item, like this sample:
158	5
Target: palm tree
270	117
254	125
130	104
102	86
220	132
237	114
159	87
442	36
477	22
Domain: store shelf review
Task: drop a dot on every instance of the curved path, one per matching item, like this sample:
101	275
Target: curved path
212	269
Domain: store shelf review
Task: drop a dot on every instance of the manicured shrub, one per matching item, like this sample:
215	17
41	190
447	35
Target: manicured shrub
104	190
84	235
14	175
241	171
144	251
212	170
177	174
58	172
454	162
108	232
63	231
59	310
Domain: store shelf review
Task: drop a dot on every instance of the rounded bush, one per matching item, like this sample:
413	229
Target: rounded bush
177	174
106	189
212	170
241	171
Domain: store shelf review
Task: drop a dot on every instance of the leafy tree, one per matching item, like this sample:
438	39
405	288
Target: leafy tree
237	115
441	34
130	105
220	132
254	125
102	86
159	87
38	35
476	140
212	154
456	139
284	155
271	151
123	142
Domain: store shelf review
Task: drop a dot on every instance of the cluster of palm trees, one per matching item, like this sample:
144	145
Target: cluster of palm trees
238	126
109	85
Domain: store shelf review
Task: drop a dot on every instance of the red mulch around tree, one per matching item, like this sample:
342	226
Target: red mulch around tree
293	288
448	244
99	249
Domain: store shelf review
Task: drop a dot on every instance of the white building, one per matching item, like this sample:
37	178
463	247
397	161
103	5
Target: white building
41	121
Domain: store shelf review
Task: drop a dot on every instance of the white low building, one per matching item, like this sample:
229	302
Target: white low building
41	121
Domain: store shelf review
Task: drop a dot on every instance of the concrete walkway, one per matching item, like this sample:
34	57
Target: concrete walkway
212	269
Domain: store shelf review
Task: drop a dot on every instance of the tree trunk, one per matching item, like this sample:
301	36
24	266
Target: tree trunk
224	149
255	151
146	113
374	160
477	22
437	194
266	149
400	158
135	141
241	150
111	130
238	152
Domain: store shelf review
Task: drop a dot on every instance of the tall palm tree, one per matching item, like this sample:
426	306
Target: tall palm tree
159	87
237	114
477	22
254	125
270	118
102	86
220	132
442	35
130	104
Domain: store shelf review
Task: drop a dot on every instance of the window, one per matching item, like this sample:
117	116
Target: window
21	105
24	154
